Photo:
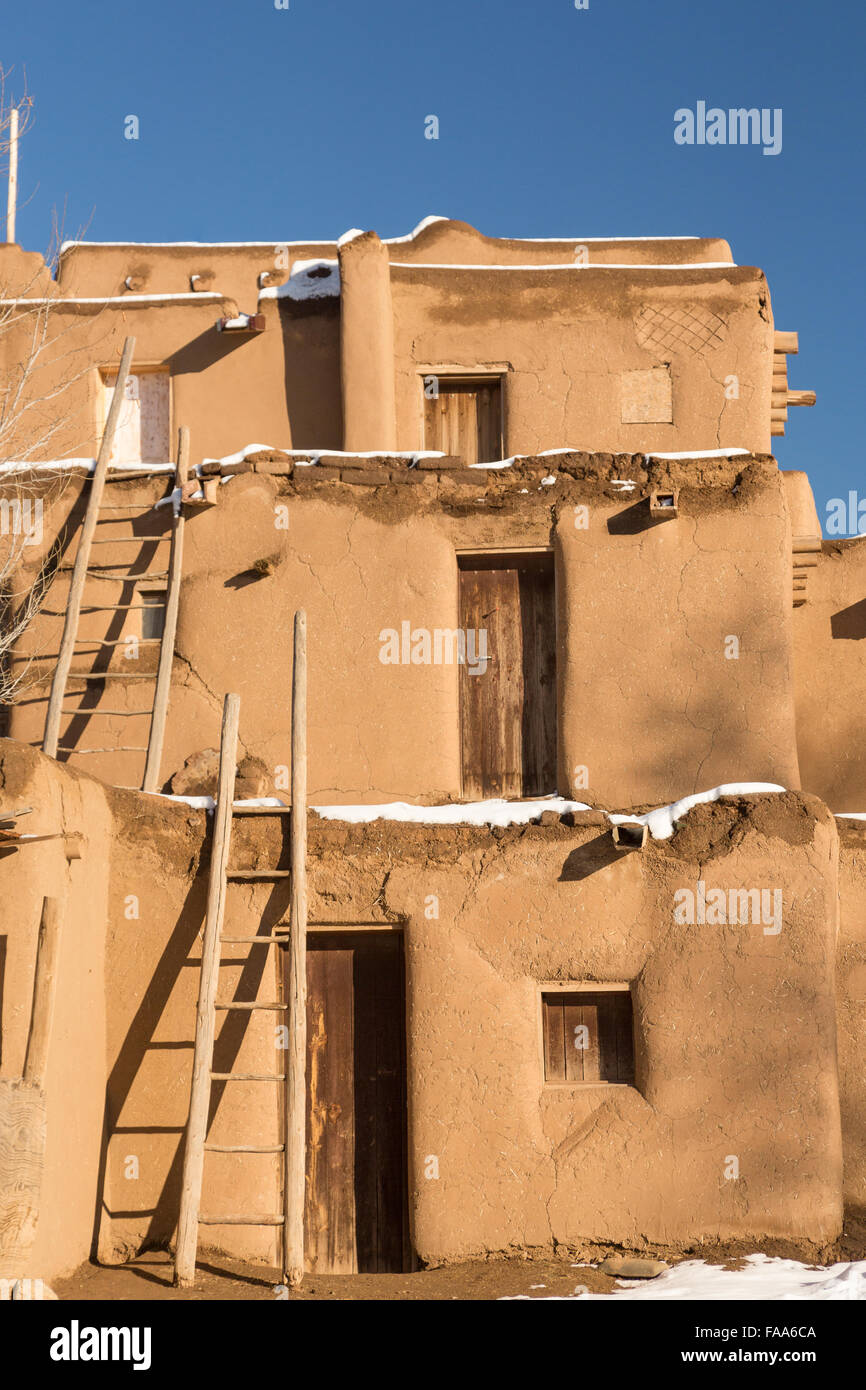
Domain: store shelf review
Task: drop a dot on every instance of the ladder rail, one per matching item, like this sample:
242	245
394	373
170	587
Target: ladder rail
162	690
205	1024
76	588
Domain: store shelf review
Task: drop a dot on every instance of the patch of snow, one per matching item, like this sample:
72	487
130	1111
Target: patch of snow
242	454
351	235
850	815
85	465
422	225
317	279
241	321
762	1277
190	296
701	454
661	821
207	803
493	812
548	481
569	265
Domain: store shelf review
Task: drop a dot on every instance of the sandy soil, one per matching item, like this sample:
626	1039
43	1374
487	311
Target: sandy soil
220	1278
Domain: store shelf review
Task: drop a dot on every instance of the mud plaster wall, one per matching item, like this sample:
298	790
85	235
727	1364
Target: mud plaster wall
75	1080
851	1008
725	1064
563	338
649	705
830	663
280	387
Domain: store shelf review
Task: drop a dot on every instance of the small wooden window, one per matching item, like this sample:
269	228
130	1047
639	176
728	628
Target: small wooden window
588	1037
152	612
464	418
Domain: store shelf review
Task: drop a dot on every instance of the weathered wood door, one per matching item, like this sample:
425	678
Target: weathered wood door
508	709
465	419
143	429
356	1200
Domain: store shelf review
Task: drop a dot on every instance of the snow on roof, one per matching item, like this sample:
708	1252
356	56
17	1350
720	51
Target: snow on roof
348	236
761	1277
189	296
661	821
86	466
315	279
498	812
701	454
569	265
416	231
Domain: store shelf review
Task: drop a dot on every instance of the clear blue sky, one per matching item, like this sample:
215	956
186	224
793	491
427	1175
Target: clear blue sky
259	124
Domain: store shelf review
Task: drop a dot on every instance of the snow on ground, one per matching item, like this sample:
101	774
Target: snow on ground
763	1277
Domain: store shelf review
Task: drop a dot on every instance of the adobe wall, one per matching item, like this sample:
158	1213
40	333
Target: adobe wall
564	338
285	386
62	801
830	666
721	1051
641	720
281	386
851	1009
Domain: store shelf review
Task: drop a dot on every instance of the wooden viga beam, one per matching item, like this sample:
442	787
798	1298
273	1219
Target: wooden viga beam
802	397
786	342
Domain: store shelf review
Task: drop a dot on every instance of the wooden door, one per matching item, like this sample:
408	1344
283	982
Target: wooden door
143	428
508	710
465	419
356	1190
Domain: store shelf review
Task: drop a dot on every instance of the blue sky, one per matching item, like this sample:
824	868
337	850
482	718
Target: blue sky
259	124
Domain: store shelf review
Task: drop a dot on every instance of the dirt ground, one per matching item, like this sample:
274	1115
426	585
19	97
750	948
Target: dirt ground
220	1278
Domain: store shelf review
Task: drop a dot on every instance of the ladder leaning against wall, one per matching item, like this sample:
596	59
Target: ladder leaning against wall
293	1147
82	571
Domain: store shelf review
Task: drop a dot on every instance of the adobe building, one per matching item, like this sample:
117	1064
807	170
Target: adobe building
554	580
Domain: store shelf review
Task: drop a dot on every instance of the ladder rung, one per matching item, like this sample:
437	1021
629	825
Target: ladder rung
125	473
241	1220
116	578
125	507
256	940
111	676
119	641
119	748
250	1004
247	1076
245	1148
262	811
248	875
127	540
119	713
101	608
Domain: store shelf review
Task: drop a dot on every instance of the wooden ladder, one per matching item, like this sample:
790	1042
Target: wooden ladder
82	570
291	1218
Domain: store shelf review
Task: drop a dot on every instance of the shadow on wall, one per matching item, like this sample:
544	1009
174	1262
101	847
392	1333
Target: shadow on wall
139	1041
850	623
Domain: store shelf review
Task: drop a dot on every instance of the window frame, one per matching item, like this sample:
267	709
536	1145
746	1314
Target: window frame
548	987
